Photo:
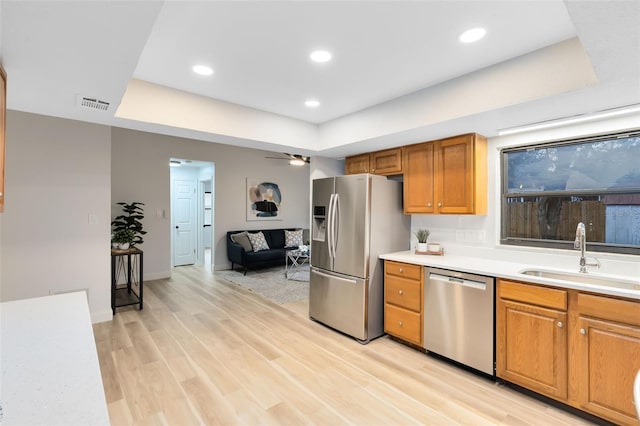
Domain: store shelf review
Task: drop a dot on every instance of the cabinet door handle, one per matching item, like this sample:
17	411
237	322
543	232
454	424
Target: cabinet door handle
583	331
400	270
428	204
560	324
400	292
373	170
400	323
439	204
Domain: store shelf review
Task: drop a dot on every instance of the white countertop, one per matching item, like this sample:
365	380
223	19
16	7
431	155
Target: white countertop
50	370
510	269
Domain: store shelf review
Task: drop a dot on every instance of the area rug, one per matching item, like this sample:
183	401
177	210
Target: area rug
272	284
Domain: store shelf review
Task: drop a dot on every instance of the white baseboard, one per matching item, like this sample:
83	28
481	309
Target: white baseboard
222	267
101	316
157	276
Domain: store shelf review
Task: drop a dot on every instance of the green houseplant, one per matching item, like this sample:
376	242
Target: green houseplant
422	235
123	238
130	221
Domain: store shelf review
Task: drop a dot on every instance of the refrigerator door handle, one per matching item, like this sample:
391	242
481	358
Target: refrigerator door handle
330	226
334	277
335	222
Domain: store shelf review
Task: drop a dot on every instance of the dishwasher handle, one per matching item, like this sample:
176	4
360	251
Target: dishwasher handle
480	285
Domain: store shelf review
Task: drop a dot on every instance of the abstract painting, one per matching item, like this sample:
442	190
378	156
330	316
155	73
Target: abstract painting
264	199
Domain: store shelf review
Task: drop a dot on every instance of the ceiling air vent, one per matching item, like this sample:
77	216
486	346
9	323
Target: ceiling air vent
93	103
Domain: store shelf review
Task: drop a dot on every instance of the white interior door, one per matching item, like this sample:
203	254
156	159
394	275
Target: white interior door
184	202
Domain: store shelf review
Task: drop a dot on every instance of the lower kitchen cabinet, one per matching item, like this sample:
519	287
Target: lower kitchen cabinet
579	348
403	301
606	341
531	337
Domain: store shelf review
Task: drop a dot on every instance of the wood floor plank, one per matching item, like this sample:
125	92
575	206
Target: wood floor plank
205	351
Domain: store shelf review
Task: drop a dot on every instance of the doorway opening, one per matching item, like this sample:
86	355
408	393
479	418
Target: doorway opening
192	206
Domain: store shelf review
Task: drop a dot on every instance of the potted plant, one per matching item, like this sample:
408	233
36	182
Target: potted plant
131	221
123	238
422	235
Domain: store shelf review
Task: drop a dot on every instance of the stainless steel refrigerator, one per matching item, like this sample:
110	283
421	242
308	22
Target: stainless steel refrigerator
355	218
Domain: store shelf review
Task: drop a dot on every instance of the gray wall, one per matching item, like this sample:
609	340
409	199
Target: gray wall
140	172
62	180
56	225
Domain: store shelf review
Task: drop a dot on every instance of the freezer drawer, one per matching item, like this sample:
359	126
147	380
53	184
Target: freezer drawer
339	301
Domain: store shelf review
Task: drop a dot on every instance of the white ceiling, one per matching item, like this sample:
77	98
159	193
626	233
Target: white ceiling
387	56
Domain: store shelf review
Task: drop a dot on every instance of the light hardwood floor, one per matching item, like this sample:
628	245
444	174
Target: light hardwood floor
208	352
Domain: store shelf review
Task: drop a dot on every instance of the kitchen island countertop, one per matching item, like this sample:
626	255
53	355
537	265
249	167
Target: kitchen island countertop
510	270
50	370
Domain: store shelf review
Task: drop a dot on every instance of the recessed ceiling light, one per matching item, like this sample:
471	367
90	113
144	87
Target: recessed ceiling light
202	70
472	35
312	103
320	56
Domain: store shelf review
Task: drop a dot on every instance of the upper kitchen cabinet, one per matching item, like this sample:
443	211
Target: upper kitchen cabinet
447	176
418	162
3	115
356	164
386	162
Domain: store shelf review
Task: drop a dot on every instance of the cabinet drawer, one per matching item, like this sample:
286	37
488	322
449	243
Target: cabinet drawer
624	311
406	270
532	294
403	323
402	292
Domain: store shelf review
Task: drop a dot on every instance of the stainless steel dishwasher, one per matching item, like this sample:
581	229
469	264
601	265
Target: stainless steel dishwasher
459	317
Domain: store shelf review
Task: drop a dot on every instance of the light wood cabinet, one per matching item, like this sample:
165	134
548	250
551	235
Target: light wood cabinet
356	164
579	348
418	186
605	338
386	162
531	337
3	119
403	301
447	176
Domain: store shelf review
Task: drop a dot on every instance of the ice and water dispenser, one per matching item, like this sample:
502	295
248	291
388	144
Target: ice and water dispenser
319	225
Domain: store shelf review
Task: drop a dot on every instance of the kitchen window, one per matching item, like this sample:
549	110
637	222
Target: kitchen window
547	189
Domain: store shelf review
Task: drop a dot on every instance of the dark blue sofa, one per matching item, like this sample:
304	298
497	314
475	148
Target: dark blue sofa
253	260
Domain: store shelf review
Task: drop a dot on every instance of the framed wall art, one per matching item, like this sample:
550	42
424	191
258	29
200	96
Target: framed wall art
264	199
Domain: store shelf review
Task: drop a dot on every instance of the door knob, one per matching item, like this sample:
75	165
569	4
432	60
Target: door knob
583	331
400	292
400	323
560	324
439	204
428	204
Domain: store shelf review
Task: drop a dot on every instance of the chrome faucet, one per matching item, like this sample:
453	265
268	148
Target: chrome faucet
581	243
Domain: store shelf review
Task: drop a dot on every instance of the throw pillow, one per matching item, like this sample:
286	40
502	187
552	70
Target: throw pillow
242	239
293	238
258	242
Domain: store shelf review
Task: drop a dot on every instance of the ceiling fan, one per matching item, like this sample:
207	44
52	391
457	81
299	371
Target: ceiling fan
294	159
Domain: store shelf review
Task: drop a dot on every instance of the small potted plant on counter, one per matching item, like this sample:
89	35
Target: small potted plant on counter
422	235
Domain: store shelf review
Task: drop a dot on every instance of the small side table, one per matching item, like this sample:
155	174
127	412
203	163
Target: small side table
294	260
126	295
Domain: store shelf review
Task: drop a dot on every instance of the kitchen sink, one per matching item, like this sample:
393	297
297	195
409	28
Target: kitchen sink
583	278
